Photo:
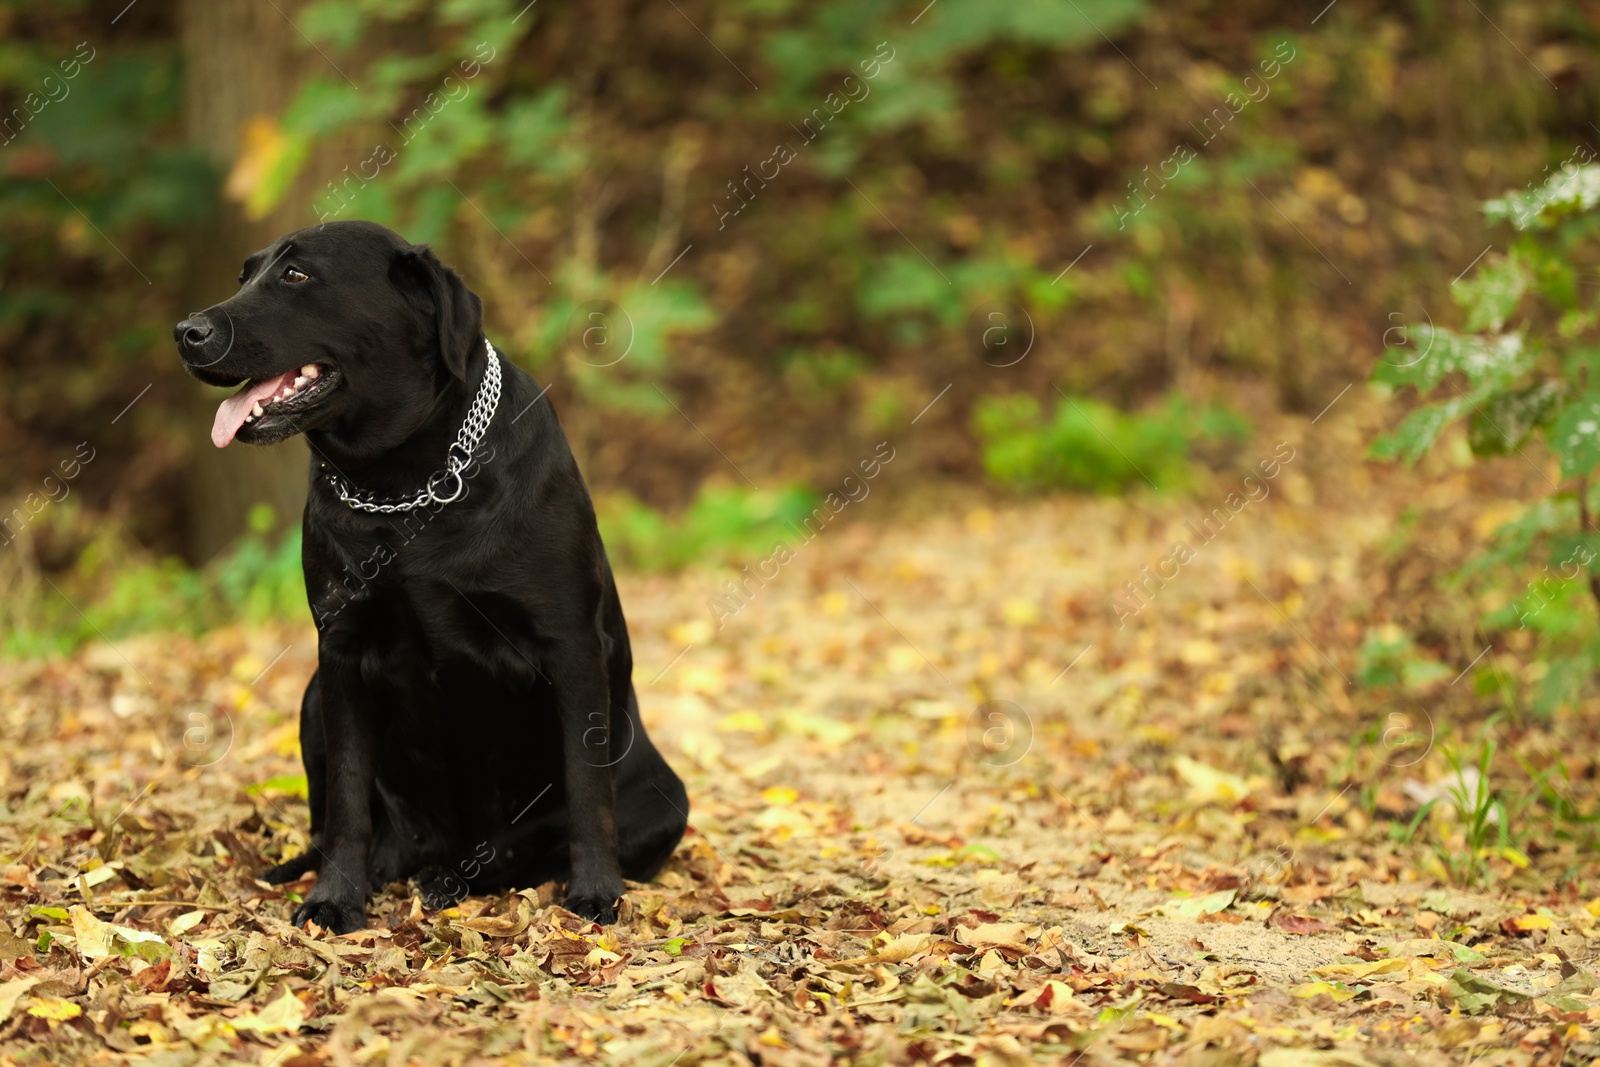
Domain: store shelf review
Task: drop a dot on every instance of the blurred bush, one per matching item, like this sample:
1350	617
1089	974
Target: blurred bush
722	524
114	590
1524	368
1091	446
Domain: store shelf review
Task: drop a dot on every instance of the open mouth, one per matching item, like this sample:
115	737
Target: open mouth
285	395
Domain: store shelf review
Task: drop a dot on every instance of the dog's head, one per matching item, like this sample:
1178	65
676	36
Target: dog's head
340	327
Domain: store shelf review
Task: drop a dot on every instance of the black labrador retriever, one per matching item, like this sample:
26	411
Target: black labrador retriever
472	723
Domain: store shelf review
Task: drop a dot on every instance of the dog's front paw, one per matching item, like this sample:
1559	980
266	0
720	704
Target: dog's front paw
292	870
596	905
336	916
439	887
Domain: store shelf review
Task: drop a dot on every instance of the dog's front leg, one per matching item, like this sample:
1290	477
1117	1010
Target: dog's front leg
594	884
338	901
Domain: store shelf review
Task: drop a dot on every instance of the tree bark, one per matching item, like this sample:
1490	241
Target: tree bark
243	59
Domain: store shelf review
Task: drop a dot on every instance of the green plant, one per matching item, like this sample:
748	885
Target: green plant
1475	824
1523	368
1389	656
1488	820
1483	815
722	524
1092	446
112	592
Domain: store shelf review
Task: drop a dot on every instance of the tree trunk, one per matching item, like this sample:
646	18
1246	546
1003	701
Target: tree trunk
244	59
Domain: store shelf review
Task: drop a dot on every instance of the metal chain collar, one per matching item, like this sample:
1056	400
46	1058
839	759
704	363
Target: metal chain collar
457	457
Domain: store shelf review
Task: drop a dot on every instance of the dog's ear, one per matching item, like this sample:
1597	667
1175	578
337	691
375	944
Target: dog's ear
457	311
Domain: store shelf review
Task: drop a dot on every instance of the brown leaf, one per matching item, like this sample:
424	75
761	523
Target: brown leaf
154	979
1306	894
1291	923
500	925
990	935
1192	994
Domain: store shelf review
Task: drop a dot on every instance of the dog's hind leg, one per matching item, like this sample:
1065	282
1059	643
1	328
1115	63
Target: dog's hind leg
651	820
652	805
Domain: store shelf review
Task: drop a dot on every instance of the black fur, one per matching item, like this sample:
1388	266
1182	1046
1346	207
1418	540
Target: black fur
472	722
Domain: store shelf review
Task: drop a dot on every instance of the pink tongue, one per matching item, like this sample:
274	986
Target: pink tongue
232	411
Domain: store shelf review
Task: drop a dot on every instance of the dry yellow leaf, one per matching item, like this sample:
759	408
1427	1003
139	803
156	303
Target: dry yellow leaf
742	722
1020	612
10	991
1207	785
54	1010
283	1016
1308	990
999	935
1364	970
691	632
903	948
185	922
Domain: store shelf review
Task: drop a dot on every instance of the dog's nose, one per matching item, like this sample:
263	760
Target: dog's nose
192	333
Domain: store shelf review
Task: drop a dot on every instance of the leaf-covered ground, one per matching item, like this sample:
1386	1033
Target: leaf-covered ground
945	810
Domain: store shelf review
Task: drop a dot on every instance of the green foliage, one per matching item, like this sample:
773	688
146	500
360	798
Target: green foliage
1491	295
1522	372
120	593
824	372
1092	446
1389	657
1486	818
1572	191
839	33
112	593
465	107
905	283
723	523
1505	421
525	141
1576	436
621	346
76	155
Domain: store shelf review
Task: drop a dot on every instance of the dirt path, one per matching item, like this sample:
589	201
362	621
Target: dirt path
945	809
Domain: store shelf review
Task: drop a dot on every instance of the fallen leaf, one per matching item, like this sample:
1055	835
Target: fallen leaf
903	948
1208	785
1192	908
185	922
1054	996
1291	923
998	935
54	1010
1192	994
10	991
1526	924
99	940
1307	990
499	925
283	1016
1363	970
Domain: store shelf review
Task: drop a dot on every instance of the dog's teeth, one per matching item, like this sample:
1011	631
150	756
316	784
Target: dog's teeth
310	370
256	410
249	418
300	381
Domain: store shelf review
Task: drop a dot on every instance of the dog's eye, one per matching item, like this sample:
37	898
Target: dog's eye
295	277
